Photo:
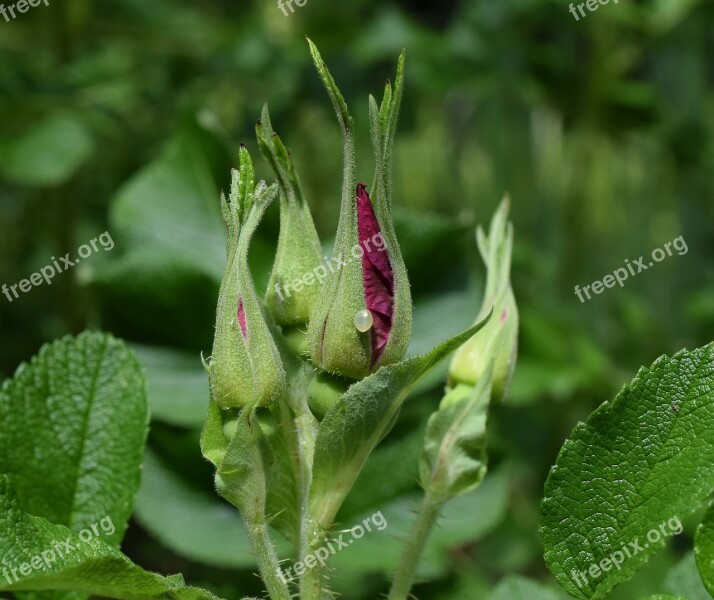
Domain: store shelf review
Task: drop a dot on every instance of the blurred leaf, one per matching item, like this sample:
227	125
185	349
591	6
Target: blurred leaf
177	386
435	318
683	580
391	471
193	523
49	153
167	218
515	587
464	520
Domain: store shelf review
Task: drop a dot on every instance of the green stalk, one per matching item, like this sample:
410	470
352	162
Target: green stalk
404	577
268	563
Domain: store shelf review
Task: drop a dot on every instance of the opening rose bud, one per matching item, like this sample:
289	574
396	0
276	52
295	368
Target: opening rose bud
497	341
245	366
298	270
362	319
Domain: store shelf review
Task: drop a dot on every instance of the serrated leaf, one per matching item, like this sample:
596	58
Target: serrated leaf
87	563
640	462
454	458
357	422
75	422
704	549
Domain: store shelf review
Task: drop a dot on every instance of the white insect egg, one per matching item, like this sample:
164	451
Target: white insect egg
364	320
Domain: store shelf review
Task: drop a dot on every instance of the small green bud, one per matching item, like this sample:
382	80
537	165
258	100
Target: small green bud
245	366
362	319
498	339
324	391
298	270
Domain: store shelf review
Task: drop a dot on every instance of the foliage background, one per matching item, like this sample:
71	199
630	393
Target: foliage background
126	116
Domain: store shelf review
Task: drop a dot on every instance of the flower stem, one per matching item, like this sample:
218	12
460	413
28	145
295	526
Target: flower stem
268	563
404	577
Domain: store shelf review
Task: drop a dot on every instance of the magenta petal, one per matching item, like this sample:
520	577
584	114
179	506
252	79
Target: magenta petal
377	274
241	319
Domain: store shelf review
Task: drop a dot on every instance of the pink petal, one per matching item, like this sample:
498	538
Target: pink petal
241	319
377	274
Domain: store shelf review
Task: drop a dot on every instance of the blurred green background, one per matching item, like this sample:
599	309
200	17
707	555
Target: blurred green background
126	116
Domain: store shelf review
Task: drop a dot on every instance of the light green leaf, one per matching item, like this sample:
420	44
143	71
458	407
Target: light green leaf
177	385
684	580
74	427
452	313
704	549
454	457
191	522
39	555
515	587
463	521
357	422
640	463
49	153
242	473
172	204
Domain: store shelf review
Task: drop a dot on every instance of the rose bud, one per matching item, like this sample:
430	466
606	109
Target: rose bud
498	339
362	319
245	367
299	269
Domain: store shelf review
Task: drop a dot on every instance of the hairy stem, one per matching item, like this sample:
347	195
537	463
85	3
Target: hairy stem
268	562
312	582
404	577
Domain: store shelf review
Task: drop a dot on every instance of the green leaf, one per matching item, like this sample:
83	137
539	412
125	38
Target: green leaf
515	587
74	427
684	580
39	555
177	385
641	462
454	457
172	205
356	423
463	521
170	245
242	474
49	153
704	549
191	522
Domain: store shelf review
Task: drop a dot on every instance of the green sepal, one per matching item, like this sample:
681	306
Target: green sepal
453	461
298	270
